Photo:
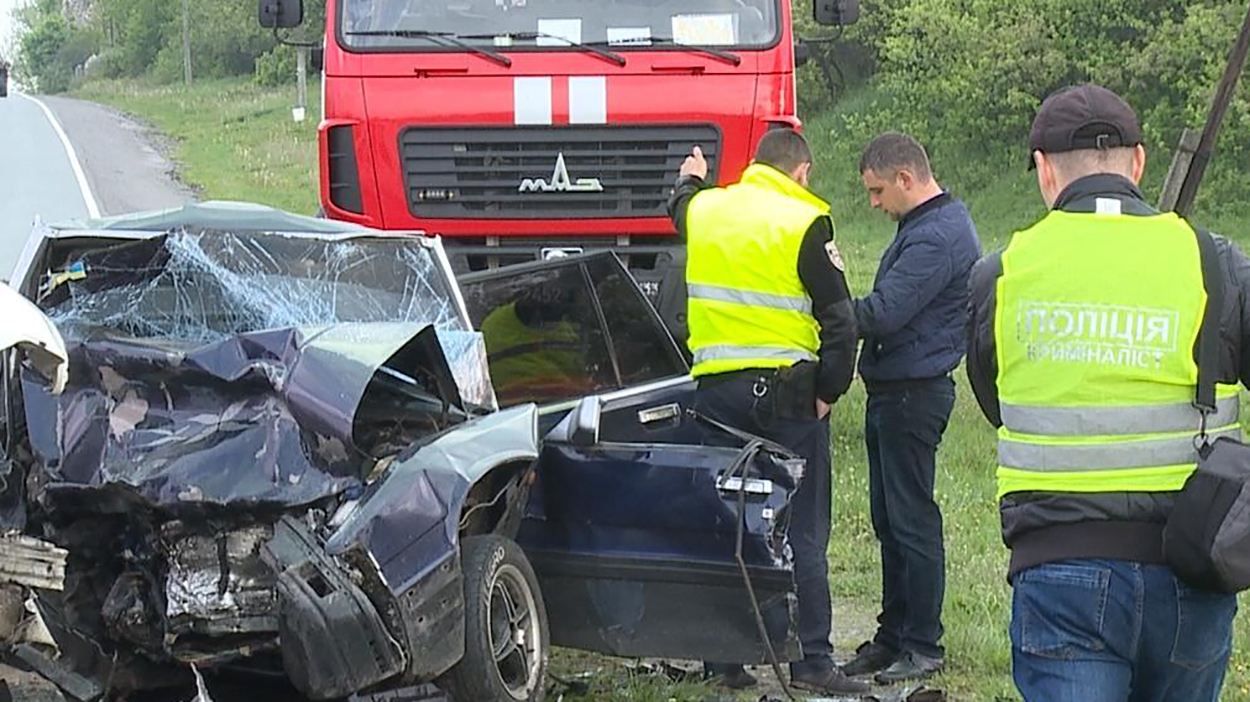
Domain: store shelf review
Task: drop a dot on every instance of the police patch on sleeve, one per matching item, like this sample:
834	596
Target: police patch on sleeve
835	256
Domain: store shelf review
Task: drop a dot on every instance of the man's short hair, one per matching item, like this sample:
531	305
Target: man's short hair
892	152
1071	165
783	149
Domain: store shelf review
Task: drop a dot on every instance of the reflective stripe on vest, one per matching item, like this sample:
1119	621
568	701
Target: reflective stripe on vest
747	307
1090	457
729	352
1098	421
1096	317
747	297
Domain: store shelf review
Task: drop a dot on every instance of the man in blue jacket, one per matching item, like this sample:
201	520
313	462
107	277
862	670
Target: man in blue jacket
913	326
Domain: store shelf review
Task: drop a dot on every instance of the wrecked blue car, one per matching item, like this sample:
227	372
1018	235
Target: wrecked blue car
293	447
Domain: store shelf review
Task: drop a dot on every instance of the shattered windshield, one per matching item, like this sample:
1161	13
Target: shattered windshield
422	25
201	288
191	289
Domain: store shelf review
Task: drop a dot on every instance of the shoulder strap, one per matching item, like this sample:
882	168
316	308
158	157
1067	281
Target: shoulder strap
1209	333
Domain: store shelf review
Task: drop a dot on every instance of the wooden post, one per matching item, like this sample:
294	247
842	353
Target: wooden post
1219	105
186	41
1181	160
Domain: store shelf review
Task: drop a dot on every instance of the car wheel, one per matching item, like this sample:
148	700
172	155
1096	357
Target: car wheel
505	637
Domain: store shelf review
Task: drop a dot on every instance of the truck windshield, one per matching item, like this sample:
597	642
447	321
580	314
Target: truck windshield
398	25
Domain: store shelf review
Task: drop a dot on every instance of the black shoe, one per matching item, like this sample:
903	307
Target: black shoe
731	675
870	657
829	681
910	666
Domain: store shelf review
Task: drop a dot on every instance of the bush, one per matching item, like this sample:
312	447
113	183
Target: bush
276	67
968	75
108	64
1172	81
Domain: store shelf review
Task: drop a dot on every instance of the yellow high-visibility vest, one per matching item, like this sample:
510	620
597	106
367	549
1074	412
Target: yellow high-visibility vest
747	307
527	361
1095	325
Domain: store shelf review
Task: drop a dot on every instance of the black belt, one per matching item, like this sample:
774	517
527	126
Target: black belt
736	376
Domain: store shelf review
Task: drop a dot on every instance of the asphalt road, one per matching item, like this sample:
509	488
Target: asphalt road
68	159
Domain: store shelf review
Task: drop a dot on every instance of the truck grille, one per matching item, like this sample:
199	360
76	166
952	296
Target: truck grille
513	172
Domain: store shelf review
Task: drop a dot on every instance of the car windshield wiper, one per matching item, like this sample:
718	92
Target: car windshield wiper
523	36
448	37
725	56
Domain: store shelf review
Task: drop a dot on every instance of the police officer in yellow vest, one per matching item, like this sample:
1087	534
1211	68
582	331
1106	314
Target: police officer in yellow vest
1082	352
535	351
772	334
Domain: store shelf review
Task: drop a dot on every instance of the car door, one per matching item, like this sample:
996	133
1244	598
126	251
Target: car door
653	532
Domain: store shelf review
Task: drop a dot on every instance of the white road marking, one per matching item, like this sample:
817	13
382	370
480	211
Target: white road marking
93	209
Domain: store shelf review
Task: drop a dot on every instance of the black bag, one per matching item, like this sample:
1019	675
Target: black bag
1206	540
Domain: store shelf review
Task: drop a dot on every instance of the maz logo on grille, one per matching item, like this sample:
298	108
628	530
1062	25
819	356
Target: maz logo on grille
561	182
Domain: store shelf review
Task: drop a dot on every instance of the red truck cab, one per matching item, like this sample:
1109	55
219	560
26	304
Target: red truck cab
523	129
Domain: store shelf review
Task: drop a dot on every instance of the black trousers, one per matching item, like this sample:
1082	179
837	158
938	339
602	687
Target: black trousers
733	402
902	428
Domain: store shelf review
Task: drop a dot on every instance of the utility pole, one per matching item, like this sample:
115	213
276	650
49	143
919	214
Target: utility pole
186	41
1219	105
1182	159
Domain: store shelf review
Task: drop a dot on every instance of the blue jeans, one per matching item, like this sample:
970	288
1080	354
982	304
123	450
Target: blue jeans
902	429
1117	631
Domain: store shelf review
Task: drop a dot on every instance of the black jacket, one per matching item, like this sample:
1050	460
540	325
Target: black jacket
1043	527
825	284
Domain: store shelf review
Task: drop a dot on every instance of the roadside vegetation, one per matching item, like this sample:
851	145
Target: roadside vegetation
963	75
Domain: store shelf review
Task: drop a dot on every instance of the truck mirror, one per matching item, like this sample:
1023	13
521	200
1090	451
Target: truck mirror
836	12
802	53
281	14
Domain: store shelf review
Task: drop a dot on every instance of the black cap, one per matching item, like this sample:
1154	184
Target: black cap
1083	117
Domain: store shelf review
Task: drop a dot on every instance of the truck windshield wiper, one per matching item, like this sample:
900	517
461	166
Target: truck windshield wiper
725	56
523	36
449	38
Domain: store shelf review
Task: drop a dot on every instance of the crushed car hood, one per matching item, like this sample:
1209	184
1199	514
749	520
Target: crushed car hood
264	418
241	367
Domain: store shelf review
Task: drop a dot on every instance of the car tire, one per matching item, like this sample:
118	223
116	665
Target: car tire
505	636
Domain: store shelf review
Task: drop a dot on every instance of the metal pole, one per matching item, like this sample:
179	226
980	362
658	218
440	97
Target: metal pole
301	72
1219	105
186	41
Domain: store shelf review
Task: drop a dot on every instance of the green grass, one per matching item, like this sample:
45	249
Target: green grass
237	141
232	139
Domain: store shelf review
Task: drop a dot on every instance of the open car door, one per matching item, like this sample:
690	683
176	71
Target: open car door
653	532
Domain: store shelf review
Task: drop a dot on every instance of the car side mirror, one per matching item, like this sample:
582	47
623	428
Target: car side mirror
835	12
802	53
281	14
586	422
581	426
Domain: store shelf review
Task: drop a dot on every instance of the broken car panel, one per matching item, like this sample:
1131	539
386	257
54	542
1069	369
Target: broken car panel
280	443
632	525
